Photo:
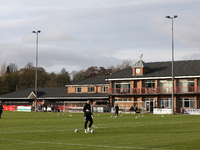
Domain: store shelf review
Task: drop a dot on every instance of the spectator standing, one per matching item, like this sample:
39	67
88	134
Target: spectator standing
52	108
1	110
136	109
56	108
131	109
116	110
40	107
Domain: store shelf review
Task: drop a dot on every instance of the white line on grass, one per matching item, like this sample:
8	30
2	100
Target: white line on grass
105	146
35	131
95	126
102	126
134	125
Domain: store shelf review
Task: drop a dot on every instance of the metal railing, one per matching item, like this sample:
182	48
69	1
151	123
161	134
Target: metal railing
151	90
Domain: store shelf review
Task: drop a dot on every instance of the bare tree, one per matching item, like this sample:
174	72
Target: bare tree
3	69
78	75
29	65
125	64
13	67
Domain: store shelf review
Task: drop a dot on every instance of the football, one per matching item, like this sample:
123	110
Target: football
92	131
76	130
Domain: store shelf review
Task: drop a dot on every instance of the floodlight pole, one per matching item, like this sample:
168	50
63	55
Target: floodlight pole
36	68
175	16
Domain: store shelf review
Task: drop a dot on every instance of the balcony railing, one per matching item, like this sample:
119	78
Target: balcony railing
159	90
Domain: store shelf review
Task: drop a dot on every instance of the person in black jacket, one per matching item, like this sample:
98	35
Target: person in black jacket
116	110
131	109
1	110
88	116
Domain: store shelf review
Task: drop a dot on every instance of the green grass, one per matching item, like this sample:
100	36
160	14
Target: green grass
49	131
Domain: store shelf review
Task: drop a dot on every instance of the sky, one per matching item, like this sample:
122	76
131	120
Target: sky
78	34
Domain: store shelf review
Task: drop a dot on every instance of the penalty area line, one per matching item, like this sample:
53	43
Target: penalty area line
105	146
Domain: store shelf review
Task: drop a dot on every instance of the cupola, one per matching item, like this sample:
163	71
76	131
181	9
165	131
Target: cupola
140	68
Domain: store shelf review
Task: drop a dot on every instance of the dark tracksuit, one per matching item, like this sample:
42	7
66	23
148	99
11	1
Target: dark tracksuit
116	110
87	115
1	110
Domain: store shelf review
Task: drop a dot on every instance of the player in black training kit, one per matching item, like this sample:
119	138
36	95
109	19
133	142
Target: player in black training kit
116	110
1	110
88	116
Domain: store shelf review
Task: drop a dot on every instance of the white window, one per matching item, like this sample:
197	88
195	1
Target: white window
165	86
186	102
123	100
166	102
16	102
60	102
90	89
78	90
186	85
149	83
122	87
104	89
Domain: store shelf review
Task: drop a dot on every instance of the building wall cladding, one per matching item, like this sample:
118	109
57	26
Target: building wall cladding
71	89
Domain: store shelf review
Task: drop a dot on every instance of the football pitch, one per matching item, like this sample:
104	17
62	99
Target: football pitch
50	131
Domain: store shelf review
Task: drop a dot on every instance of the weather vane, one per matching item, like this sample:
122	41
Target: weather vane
141	56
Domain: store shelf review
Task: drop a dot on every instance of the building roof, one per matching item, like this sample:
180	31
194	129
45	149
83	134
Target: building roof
91	81
186	68
61	92
140	64
42	92
51	93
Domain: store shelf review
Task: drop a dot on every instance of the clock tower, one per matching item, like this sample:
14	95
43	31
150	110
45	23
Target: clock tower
140	68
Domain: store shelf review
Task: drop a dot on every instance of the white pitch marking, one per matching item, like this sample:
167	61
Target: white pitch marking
120	147
102	126
95	127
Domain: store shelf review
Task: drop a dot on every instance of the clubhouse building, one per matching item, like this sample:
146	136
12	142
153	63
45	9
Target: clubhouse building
145	85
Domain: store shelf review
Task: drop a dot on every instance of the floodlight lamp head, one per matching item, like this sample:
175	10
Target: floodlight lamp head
33	32
168	17
38	31
175	16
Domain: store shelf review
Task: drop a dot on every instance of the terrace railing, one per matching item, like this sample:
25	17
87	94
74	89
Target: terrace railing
159	90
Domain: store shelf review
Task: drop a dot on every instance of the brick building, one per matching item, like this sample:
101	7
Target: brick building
147	85
151	83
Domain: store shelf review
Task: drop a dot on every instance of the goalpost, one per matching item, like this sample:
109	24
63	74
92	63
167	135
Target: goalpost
125	105
74	106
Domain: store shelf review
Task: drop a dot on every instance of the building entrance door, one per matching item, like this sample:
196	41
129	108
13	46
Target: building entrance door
149	103
147	106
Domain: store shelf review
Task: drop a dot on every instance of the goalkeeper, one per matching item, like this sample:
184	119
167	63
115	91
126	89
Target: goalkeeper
88	116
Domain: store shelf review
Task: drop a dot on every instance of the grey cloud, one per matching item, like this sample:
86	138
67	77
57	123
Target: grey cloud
78	34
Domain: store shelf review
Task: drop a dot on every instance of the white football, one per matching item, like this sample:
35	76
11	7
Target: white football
92	131
76	130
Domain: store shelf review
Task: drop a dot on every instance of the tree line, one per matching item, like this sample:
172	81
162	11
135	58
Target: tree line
12	79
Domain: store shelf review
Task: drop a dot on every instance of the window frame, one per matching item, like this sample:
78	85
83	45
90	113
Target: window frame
186	102
149	83
78	90
166	102
104	89
91	89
